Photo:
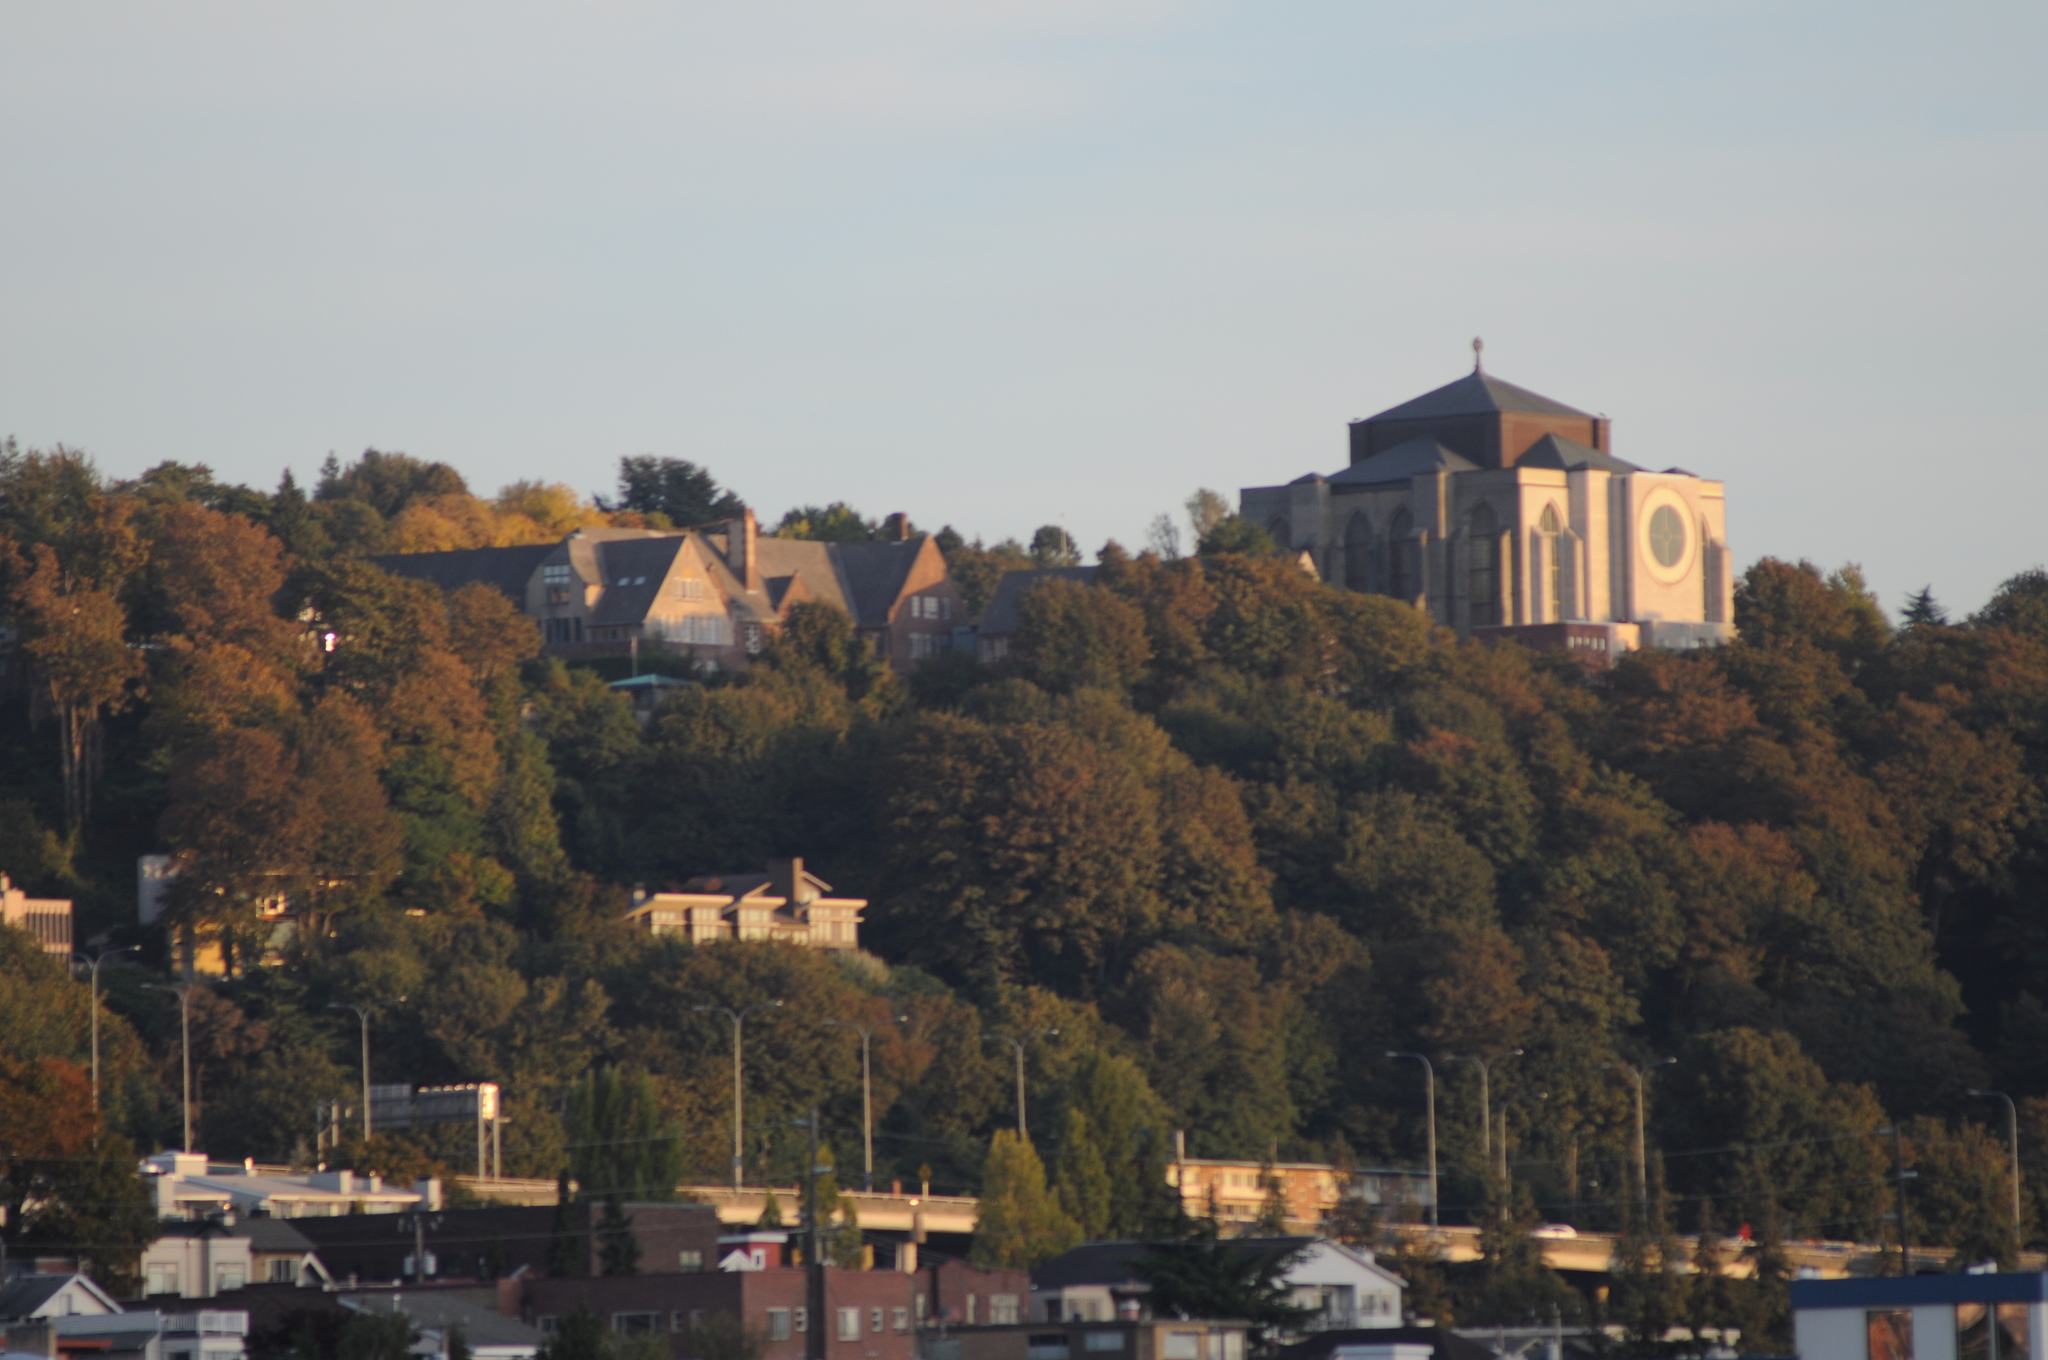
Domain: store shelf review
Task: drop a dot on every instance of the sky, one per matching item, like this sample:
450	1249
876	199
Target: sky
1000	263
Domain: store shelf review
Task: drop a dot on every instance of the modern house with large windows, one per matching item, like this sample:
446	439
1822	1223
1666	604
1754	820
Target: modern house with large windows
1503	512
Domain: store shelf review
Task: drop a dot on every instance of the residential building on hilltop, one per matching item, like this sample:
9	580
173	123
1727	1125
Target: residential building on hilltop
787	903
1234	1190
713	595
46	918
1504	513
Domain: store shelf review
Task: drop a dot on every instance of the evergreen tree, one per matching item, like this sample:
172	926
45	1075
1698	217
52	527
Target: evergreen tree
1201	1275
1021	1222
1922	611
618	1249
377	1335
1707	1305
457	1347
579	1335
567	1255
1083	1187
1272	1219
621	1141
771	1212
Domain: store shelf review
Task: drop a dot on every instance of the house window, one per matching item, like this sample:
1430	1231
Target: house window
919	1303
555	579
778	1324
1888	1334
1181	1346
875	1319
1046	1346
162	1280
1002	1308
229	1277
900	1319
548	1323
1099	1342
924	646
282	1272
689	588
803	1321
753	636
972	1299
689	1260
849	1324
636	1324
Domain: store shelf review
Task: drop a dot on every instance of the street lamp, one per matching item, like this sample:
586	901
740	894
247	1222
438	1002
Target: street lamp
2012	1137
362	1014
183	991
1642	1158
94	987
1017	1046
738	1016
1429	1102
867	1107
1486	1109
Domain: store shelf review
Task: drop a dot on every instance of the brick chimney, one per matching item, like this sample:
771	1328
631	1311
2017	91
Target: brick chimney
741	549
896	528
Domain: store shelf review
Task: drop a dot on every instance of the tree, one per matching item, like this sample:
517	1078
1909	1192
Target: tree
567	1254
1021	1223
1200	1275
834	523
721	1336
1052	546
623	1145
1238	535
1272	1219
771	1212
618	1250
1206	509
374	1334
580	1335
675	488
1083	1186
1163	537
1922	611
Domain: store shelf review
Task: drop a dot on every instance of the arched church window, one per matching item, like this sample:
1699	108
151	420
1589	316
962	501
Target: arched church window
1483	552
1551	531
1357	551
1401	581
1282	532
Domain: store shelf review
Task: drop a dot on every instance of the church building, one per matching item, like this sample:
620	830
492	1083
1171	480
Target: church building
1503	512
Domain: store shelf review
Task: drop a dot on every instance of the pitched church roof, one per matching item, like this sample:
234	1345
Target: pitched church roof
1568	455
1409	458
1478	393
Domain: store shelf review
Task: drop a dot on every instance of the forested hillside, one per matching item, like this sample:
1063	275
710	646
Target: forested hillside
1234	834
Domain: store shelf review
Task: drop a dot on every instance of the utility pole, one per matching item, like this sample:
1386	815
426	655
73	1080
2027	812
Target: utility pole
362	1014
1429	1105
2012	1142
1486	1109
867	1097
814	1248
1642	1147
183	991
93	986
1017	1047
738	1015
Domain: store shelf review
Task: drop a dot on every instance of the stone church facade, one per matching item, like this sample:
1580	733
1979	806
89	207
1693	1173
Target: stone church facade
1503	512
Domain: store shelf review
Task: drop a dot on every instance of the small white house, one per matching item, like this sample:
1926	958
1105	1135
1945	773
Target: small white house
1344	1288
1922	1317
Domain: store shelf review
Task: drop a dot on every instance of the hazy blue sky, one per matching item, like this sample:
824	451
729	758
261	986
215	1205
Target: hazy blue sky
1000	262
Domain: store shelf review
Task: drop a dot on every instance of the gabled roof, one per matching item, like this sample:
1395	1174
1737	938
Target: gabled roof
874	574
1569	455
440	1310
272	1235
1000	614
632	572
1477	393
24	1296
1409	458
506	570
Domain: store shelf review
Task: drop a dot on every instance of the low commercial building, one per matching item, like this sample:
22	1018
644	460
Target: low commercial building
186	1185
869	1314
48	919
1922	1317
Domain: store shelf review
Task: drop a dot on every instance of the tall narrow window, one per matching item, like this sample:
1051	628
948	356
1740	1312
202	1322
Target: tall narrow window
1281	530
1483	550
1357	551
1552	533
1401	583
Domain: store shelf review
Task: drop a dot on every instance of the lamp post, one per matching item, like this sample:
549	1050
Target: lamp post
1429	1104
867	1105
183	991
738	1015
362	1014
1486	1109
1642	1157
93	986
1017	1046
2012	1138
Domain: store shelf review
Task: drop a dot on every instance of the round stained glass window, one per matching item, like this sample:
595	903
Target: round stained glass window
1667	536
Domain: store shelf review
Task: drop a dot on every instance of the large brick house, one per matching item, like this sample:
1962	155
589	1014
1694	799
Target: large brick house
869	1314
715	594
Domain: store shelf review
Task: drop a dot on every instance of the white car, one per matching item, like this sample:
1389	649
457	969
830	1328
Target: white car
1555	1230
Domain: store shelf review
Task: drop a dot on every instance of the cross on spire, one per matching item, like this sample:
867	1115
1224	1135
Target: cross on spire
1478	348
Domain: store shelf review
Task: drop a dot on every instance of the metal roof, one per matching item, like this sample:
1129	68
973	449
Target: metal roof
1477	393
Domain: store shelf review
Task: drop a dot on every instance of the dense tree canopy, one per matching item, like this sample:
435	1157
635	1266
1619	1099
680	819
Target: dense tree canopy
1227	831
